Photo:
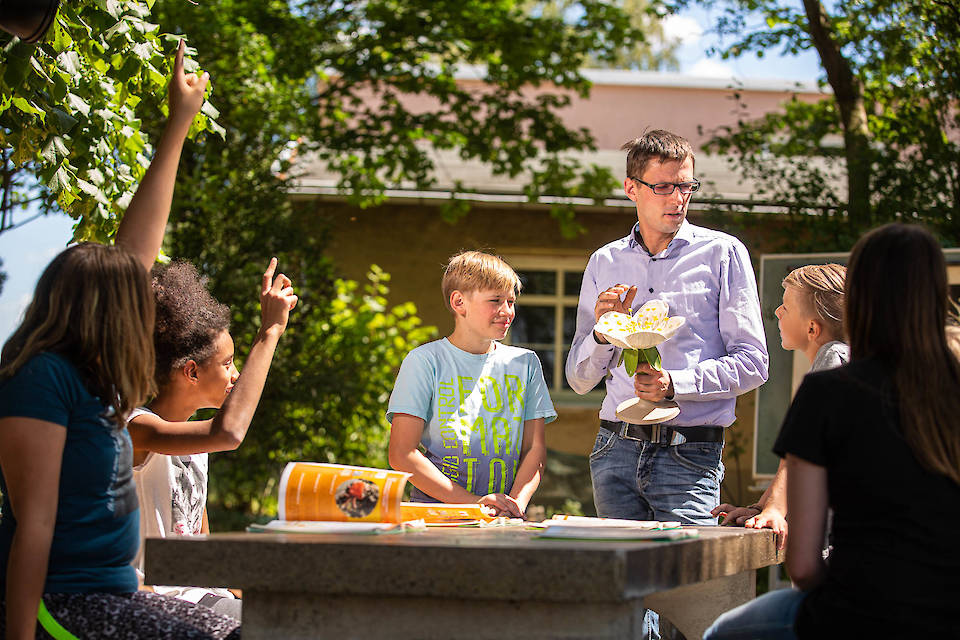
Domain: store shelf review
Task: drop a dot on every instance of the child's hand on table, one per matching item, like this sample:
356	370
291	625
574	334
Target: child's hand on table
503	504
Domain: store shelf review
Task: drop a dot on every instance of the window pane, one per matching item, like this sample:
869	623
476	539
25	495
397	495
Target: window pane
571	282
546	360
538	282
565	385
569	324
533	325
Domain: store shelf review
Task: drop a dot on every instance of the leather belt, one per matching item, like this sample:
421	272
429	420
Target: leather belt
664	434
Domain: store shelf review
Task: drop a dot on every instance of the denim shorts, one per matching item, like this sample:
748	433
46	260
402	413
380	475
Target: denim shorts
643	480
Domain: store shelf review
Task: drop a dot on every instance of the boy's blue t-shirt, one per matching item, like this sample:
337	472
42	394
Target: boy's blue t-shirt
96	533
474	407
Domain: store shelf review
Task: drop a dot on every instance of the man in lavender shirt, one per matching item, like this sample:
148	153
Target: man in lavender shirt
673	471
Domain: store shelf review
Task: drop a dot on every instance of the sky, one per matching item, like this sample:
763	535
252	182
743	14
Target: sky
692	28
26	250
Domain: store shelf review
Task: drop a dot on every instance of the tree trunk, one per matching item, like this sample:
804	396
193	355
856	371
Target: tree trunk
848	92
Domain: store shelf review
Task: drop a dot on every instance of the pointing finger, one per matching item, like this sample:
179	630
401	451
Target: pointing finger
268	275
178	59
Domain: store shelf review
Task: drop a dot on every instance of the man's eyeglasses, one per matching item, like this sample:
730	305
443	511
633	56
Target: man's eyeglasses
666	188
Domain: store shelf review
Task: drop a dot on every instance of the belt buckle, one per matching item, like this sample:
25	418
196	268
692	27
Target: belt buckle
624	428
655	433
657	430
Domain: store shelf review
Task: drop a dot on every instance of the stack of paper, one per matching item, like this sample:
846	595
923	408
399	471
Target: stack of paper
564	527
330	526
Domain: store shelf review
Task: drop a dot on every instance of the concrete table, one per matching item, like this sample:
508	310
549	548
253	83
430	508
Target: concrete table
466	583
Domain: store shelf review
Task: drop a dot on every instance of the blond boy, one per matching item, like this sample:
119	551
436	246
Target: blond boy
810	320
467	413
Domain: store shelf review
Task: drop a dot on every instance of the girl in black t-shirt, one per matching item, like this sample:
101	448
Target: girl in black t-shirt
878	441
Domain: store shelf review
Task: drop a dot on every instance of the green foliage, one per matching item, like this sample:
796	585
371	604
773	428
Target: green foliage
570	507
70	110
647	47
326	393
904	58
370	89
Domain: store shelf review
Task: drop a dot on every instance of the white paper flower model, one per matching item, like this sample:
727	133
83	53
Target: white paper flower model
640	334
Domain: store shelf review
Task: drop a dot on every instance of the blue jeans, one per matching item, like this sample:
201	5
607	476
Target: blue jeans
771	616
643	480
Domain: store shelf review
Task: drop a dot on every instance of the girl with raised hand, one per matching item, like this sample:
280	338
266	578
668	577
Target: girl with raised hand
878	441
195	370
79	362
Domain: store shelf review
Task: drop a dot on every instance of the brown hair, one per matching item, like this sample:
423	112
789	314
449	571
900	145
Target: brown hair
897	312
92	305
189	319
822	288
475	270
655	145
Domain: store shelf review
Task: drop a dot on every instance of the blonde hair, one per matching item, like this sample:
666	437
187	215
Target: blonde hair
94	306
822	288
475	270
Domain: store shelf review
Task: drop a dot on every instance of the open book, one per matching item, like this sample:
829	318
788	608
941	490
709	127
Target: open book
332	498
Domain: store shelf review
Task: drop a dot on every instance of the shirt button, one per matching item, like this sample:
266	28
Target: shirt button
651	289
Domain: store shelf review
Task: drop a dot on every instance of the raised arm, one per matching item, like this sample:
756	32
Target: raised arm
227	429
30	454
143	225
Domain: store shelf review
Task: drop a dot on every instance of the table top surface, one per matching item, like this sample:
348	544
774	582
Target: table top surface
507	562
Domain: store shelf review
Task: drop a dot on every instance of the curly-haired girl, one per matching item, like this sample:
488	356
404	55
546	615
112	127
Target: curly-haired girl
195	370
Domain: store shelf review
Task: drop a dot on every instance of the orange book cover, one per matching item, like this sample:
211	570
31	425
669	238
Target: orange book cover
434	512
340	493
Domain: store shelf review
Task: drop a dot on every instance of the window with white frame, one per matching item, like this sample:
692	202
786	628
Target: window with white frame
547	310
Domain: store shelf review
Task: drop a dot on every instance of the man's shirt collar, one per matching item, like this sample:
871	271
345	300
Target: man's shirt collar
683	237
